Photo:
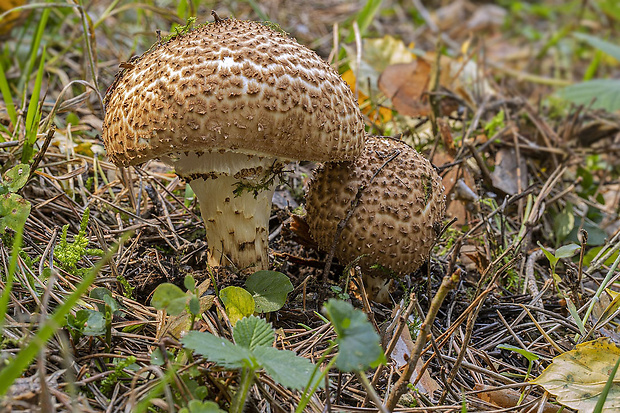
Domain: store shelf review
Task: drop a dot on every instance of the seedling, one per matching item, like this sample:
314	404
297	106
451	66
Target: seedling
566	251
252	352
265	292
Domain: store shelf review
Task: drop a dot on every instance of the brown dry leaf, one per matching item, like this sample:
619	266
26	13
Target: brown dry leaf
446	136
455	207
474	258
507	398
406	85
427	385
505	177
175	326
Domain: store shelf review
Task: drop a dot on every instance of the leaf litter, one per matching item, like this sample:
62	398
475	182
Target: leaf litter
545	173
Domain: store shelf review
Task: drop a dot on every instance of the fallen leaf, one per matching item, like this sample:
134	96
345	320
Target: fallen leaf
176	326
402	351
406	85
508	398
505	175
456	207
577	378
384	114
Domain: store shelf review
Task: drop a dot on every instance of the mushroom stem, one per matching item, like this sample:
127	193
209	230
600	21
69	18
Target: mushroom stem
237	226
234	191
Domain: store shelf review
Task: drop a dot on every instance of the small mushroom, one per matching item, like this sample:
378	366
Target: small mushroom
227	104
393	224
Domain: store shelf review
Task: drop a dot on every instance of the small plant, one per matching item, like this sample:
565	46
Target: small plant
68	254
566	251
265	292
252	352
14	209
171	298
108	383
496	124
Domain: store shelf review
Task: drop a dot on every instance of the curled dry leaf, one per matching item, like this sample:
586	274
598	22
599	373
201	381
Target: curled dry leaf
508	398
406	85
577	378
505	176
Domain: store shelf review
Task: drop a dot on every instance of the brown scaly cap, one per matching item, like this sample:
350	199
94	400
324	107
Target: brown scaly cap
231	85
393	223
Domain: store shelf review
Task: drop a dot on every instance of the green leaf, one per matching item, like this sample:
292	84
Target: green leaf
552	259
14	211
105	295
566	251
33	116
5	90
194	305
563	223
238	303
285	367
605	91
251	332
16	177
604	46
573	312
15	367
587	259
196	406
94	324
169	297
359	344
527	354
364	18
269	289
218	350
189	282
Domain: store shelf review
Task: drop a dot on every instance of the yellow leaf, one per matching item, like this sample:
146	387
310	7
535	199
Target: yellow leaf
9	20
364	102
577	378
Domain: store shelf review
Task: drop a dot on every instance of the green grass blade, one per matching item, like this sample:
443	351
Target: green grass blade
34	51
34	114
5	90
603	396
6	294
15	367
365	17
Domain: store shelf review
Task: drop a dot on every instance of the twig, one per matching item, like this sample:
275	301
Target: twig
448	283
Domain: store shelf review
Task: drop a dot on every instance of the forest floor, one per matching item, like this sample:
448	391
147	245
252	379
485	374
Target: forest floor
515	103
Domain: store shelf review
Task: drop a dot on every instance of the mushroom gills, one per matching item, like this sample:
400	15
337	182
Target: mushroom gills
236	222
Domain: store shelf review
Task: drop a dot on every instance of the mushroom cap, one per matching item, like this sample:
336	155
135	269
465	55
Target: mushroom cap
236	86
394	221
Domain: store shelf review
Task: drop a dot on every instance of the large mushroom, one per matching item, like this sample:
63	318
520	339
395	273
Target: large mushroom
227	104
392	223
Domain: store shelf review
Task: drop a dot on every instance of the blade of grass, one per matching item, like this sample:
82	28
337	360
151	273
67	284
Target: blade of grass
34	114
8	99
15	367
6	294
89	36
603	396
365	17
34	51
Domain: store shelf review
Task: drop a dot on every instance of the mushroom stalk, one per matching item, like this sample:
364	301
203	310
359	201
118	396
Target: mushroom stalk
234	192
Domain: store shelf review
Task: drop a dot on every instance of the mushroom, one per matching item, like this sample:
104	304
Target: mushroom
227	105
393	224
